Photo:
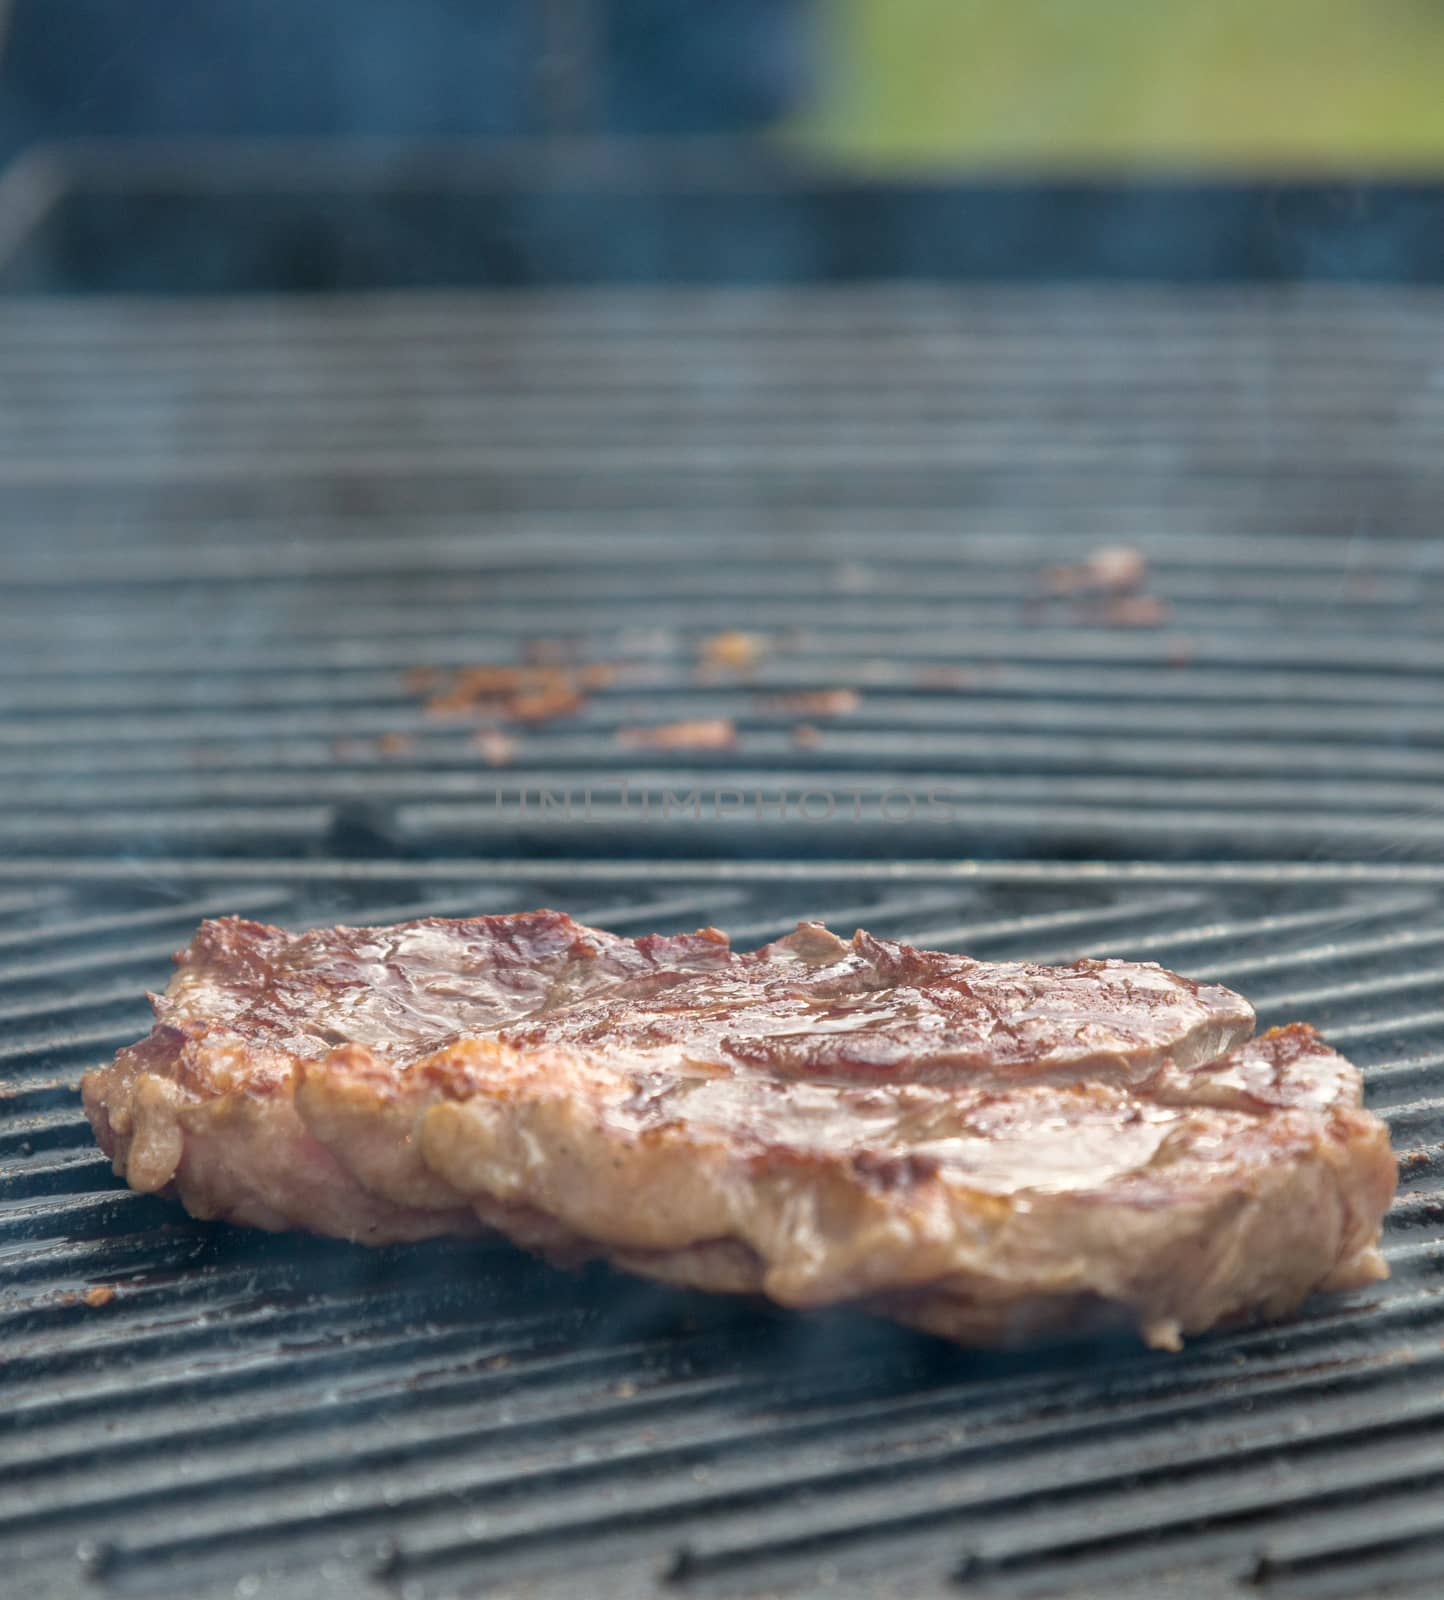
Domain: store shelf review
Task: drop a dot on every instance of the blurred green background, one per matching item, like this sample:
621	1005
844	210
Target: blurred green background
1291	86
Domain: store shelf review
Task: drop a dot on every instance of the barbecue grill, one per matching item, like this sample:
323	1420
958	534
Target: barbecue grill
232	526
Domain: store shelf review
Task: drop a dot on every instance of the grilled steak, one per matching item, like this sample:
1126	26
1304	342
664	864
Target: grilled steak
985	1149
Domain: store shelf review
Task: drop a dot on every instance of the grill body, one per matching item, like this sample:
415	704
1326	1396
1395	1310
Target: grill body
232	526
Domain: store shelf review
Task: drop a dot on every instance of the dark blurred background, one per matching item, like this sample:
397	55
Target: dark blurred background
900	84
354	143
426	70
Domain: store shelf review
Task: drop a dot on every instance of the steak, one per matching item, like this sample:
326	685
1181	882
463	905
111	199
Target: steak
988	1150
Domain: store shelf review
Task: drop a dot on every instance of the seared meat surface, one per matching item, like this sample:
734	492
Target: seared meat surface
984	1149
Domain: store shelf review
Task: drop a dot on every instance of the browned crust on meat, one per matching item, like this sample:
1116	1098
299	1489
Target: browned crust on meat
987	1198
213	1111
181	1118
1238	1210
365	1111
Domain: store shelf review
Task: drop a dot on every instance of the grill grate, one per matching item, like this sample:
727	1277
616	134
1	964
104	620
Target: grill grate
245	519
279	1415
